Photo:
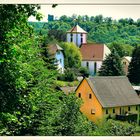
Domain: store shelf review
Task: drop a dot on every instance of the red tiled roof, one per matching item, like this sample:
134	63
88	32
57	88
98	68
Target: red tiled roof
92	52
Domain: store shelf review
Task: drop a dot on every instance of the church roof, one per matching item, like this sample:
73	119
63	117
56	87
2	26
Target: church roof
76	29
92	52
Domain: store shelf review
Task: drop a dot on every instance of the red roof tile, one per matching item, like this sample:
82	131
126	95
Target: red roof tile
92	52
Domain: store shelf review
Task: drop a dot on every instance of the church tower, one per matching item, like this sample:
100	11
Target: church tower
77	35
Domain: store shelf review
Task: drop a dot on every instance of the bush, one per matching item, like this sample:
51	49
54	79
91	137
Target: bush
84	72
114	128
69	75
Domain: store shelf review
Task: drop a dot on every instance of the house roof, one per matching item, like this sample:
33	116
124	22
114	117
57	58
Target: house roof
68	89
91	52
128	58
76	29
136	88
53	48
113	91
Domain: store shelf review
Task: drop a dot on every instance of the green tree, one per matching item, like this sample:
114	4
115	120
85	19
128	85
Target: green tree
72	55
134	67
26	85
111	65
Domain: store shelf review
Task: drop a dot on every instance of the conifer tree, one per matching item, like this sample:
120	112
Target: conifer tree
134	67
111	65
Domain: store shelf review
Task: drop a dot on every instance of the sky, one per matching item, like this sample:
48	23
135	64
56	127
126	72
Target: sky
108	8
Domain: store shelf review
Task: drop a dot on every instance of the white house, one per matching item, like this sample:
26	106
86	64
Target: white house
77	35
93	56
125	62
57	52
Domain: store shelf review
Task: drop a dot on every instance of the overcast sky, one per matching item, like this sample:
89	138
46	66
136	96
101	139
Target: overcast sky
128	9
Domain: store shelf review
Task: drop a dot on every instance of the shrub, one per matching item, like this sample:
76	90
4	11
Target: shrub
84	72
114	128
69	75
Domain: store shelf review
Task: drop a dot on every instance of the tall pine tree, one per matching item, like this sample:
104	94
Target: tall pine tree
111	65
134	67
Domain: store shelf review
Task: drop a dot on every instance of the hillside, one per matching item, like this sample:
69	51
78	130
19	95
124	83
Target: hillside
100	29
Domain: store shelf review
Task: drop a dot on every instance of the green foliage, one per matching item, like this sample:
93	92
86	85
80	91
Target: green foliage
111	65
72	55
71	122
114	128
134	67
69	75
84	71
100	29
122	49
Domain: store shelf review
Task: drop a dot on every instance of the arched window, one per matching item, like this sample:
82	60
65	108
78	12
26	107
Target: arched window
81	38
95	68
87	64
71	37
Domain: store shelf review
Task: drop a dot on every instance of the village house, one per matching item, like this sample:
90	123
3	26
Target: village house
57	52
92	54
125	62
108	96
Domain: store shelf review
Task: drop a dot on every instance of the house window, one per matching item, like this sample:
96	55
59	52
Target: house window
71	37
60	61
129	109
90	96
81	38
95	68
106	111
124	63
113	110
87	64
93	111
136	107
120	111
79	95
58	52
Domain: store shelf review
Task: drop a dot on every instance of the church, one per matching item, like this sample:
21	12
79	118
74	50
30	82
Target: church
93	54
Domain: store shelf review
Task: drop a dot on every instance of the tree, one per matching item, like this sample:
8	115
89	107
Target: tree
26	86
111	65
134	67
121	49
72	55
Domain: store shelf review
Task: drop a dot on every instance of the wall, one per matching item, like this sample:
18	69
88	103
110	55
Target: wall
89	104
76	38
124	109
91	65
59	55
106	51
125	64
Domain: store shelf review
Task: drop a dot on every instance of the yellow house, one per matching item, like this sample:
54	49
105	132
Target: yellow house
108	96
